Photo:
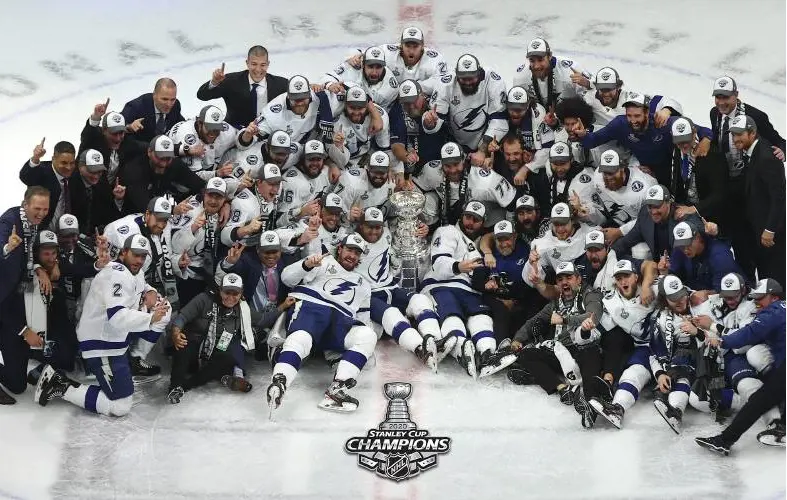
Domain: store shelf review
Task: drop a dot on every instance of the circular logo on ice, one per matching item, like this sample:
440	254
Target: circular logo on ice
397	450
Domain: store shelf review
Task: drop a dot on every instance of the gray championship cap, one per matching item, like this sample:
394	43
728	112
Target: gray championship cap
212	118
724	85
113	122
93	160
656	195
742	123
672	288
160	207
682	130
162	146
767	286
232	283
732	284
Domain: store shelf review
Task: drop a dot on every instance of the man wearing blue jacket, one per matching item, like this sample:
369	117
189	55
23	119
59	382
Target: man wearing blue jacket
698	259
768	327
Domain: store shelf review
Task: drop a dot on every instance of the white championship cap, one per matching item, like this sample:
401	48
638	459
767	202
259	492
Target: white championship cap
560	151
450	153
672	288
767	286
137	243
373	55
538	47
732	284
682	130
683	233
267	173
565	267
412	34
93	160
409	90
333	202
724	85
504	228
606	78
610	161
212	117
269	240
216	185
742	123
624	266
656	195
526	202
232	282
475	208
594	239
160	207
560	214
68	224
162	146
46	238
636	99
279	142
314	149
356	95
373	216
298	88
354	241
467	65
379	160
517	97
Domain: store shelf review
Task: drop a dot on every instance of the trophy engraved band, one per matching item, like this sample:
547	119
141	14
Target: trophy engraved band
410	250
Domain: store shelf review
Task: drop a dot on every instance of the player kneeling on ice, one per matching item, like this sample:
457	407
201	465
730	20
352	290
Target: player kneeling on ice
112	317
219	332
389	302
332	312
563	339
461	308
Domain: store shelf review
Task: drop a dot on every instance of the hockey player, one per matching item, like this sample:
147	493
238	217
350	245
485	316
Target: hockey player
112	316
698	258
389	302
422	147
328	226
526	119
202	141
277	149
369	71
79	260
355	126
528	226
549	78
329	313
361	188
411	60
472	102
465	324
567	176
304	186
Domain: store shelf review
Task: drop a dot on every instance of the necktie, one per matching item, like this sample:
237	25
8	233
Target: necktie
89	213
66	198
745	160
254	97
270	284
725	135
161	124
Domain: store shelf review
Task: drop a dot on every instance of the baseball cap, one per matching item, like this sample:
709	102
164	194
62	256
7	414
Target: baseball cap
560	214
672	288
412	34
526	202
504	228
724	85
560	151
657	195
683	233
475	208
373	217
68	224
636	99
113	122
373	55
93	160
298	88
767	286
682	130
610	161
212	117
333	202
409	90
517	97
231	282
732	284
314	149
279	142
467	65
356	95
269	240
160	207
594	239
354	241
564	268
450	153
379	160
623	267
538	47
137	243
267	173
216	185
606	78
162	146
46	238
742	123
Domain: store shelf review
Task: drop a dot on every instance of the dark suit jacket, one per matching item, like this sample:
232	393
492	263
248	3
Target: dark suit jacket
712	176
142	183
142	107
236	92
764	126
92	138
764	190
645	230
249	268
44	175
98	210
11	265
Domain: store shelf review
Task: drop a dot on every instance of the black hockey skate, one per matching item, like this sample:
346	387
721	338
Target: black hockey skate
175	394
494	362
603	388
143	372
566	395
673	416
612	412
276	391
773	435
236	384
467	358
427	352
520	376
52	384
336	399
445	346
715	444
586	412
5	398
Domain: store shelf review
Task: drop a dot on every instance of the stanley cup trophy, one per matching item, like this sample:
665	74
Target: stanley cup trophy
397	417
411	251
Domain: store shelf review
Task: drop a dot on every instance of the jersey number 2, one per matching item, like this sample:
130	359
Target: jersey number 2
116	290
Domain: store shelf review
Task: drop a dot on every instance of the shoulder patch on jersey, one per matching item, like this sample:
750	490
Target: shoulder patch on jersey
225	126
354	171
520	69
291	173
393	48
339	70
123	230
483	172
637	186
392	82
293	149
243	195
446	78
117	267
190	139
610	294
252	159
194	202
276	108
431	53
494	76
585	178
567	62
434	164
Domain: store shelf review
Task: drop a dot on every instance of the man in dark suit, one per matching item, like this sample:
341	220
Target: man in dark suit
245	93
94	202
764	196
698	183
56	175
19	227
158	173
157	112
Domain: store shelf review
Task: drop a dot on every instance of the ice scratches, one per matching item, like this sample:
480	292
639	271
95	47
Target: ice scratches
729	62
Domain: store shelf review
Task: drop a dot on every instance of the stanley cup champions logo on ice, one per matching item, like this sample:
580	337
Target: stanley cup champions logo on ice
398	450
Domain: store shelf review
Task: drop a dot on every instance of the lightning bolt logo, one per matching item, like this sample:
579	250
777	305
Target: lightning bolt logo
342	287
382	270
471	119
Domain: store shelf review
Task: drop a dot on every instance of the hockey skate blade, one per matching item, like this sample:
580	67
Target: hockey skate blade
448	348
599	408
46	375
662	408
504	363
468	357
139	380
769	439
710	446
329	404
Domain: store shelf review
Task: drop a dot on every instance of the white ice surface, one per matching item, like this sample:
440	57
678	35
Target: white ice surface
507	442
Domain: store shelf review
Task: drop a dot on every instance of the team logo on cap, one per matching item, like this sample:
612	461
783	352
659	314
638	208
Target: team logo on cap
729	282
467	63
314	146
143	242
517	95
96	157
116	118
216	183
622	263
680	127
674	285
559	209
633	96
609	158
449	150
379	158
562	266
298	85
722	83
412	32
594	237
356	93
69	221
606	76
501	226
476	207
406	89
281	139
680	232
536	44
559	149
232	279
653	192
164	205
739	121
274	170
375	53
165	144
374	213
215	116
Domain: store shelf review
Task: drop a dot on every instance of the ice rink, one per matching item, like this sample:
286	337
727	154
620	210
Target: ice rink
59	59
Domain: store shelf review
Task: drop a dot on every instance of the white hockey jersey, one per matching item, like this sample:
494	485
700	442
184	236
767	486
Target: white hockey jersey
716	309
563	87
450	245
244	159
185	133
325	242
354	188
376	265
330	285
277	115
358	141
628	314
383	93
667	327
621	206
473	116
553	251
111	312
116	233
604	114
247	206
431	64
297	190
196	245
